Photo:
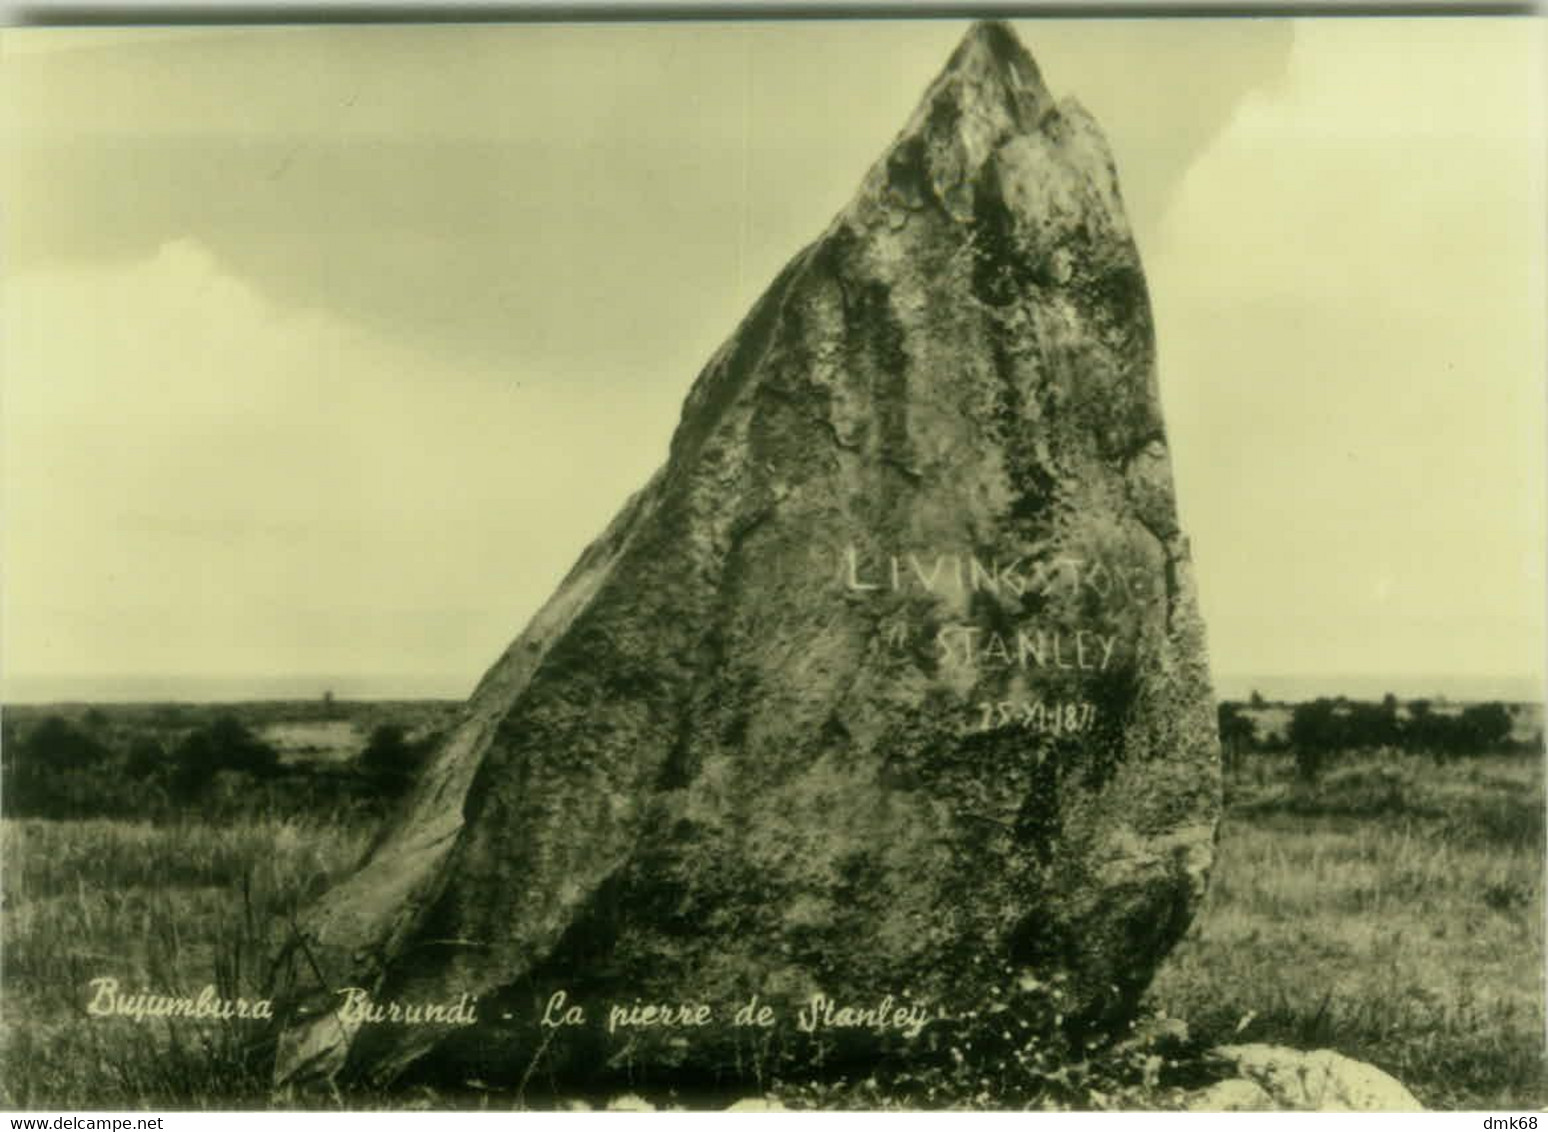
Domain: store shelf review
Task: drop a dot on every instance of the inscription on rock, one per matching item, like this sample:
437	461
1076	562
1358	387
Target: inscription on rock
1083	650
1021	578
1036	648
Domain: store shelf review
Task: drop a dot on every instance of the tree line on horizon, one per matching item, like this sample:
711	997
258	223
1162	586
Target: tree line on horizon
1318	728
55	767
64	769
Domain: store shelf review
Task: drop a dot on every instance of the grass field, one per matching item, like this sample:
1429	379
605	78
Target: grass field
1393	912
166	907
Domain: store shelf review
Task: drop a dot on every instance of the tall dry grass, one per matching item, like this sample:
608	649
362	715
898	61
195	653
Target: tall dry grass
163	909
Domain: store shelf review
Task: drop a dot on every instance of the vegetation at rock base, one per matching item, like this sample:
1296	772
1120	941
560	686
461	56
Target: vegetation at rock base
1391	908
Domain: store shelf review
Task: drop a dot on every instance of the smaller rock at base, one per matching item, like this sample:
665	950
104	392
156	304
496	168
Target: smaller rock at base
1319	1081
757	1104
1235	1095
629	1102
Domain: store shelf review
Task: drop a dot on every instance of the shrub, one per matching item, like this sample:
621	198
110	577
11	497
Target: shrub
225	745
56	771
390	761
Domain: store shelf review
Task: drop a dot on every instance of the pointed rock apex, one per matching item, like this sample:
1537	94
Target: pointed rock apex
991	50
989	99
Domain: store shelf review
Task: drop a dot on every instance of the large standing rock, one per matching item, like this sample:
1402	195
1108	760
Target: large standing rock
891	681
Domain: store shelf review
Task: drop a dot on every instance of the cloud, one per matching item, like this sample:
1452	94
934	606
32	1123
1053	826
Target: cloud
1162	90
540	175
197	480
1349	289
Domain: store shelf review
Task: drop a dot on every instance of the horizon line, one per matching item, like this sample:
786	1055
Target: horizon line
43	689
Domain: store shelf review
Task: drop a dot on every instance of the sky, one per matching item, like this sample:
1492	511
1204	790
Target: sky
327	350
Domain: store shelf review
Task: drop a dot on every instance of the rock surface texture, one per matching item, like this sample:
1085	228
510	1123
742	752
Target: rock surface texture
891	681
